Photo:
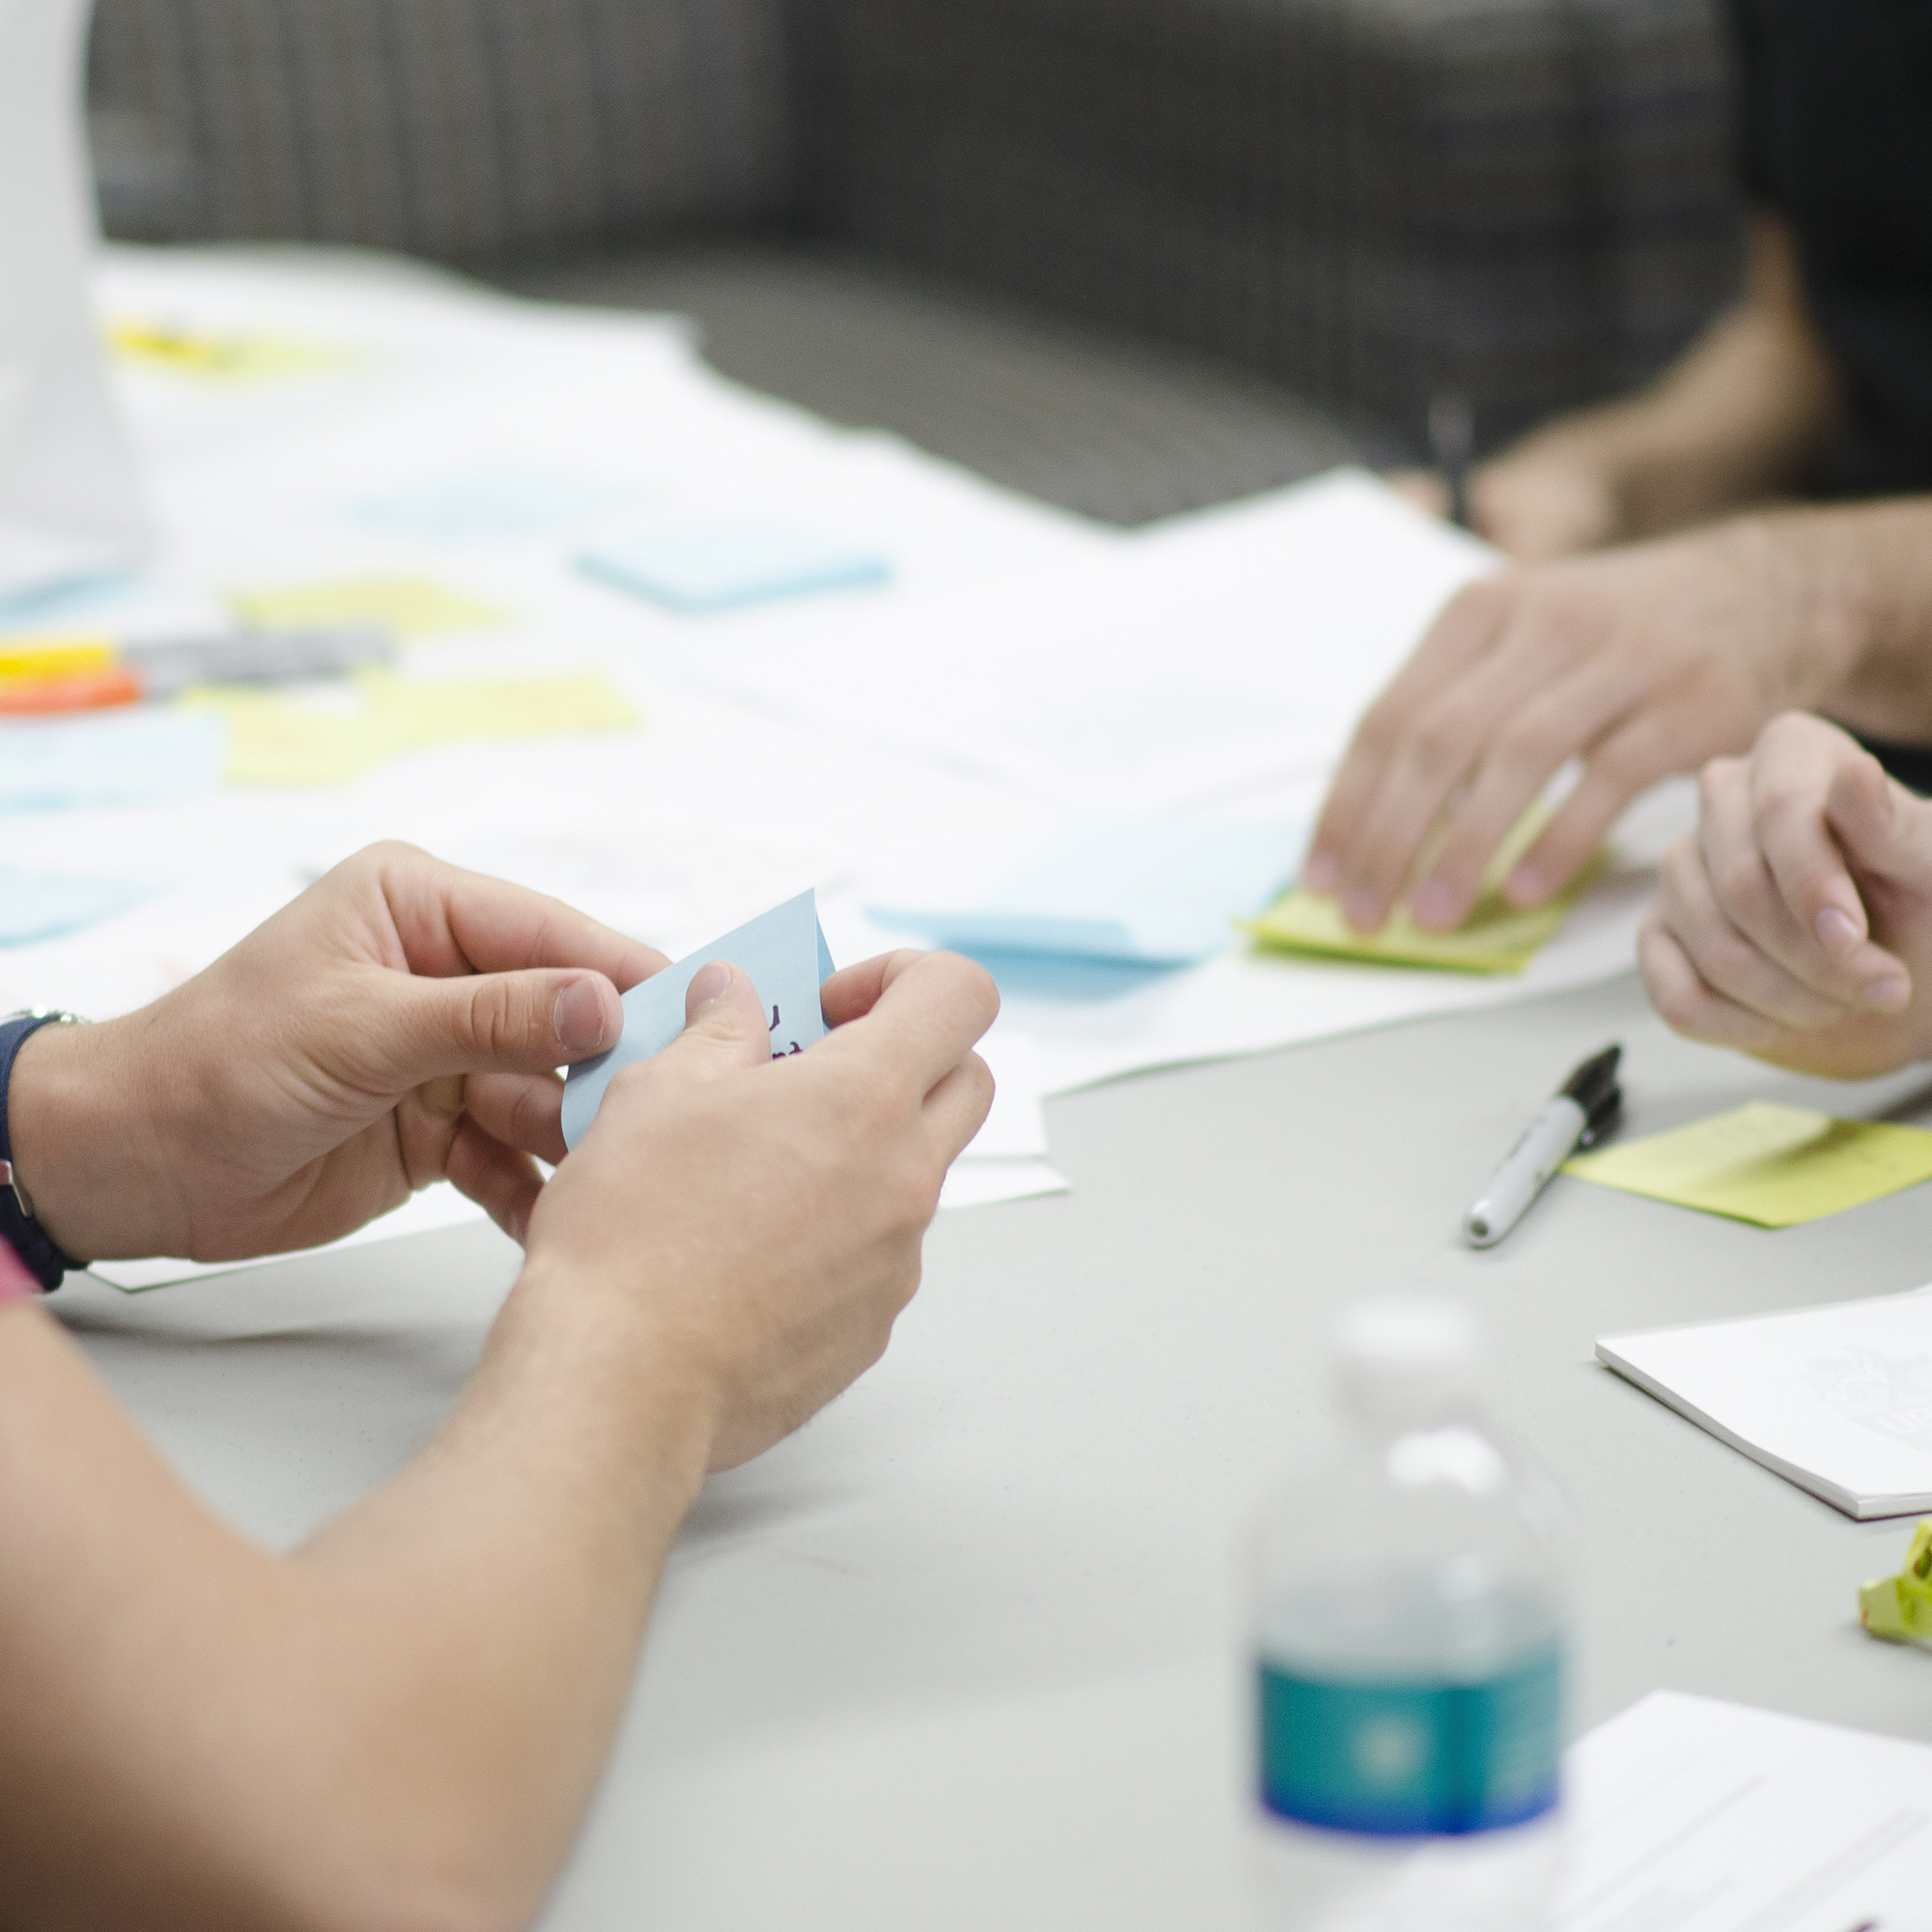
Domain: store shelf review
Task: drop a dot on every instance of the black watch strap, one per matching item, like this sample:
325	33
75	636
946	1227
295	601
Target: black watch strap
18	1226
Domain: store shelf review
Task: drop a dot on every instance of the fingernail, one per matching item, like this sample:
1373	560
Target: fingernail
1323	873
1888	994
578	1017
1434	903
1837	933
1362	911
708	985
1525	885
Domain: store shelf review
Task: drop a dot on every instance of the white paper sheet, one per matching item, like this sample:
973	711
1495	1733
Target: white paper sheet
906	745
1837	1400
1691	1815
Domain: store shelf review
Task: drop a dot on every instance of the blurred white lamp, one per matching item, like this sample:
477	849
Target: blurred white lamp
72	499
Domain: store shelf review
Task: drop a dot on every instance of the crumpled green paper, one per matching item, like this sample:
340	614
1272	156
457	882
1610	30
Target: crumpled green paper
1899	1607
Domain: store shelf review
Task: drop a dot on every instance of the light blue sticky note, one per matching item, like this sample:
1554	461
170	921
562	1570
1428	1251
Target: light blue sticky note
43	905
784	953
137	757
1151	888
697	567
502	504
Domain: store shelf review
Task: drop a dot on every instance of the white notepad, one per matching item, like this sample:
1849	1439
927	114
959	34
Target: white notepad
1836	1399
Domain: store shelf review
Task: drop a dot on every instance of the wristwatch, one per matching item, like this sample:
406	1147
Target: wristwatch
39	1255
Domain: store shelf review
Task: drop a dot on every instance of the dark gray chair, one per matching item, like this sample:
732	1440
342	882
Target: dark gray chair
1129	255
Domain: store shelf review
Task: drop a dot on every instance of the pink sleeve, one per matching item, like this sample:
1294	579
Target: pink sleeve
15	1283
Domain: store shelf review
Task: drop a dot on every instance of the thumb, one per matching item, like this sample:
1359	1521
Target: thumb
533	1022
1874	823
725	1024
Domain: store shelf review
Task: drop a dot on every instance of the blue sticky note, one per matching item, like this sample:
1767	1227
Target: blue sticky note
696	567
502	504
784	953
43	905
137	757
1149	889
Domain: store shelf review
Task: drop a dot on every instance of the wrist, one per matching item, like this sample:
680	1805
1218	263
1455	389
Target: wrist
72	1114
1802	582
644	1391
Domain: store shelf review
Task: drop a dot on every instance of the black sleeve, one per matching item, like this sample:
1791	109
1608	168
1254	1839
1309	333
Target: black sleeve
1746	30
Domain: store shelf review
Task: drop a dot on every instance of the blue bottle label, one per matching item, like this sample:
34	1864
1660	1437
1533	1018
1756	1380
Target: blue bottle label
1402	1757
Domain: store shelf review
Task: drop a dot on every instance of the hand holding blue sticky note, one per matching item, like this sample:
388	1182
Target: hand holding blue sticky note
1151	888
783	953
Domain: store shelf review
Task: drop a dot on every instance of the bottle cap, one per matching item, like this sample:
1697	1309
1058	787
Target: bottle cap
1407	1360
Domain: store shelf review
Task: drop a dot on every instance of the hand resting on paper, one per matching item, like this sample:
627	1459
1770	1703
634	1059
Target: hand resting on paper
839	1155
402	1721
399	1023
1639	662
1795	923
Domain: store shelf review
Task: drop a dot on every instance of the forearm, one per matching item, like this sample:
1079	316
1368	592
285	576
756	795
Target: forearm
1742	415
402	1721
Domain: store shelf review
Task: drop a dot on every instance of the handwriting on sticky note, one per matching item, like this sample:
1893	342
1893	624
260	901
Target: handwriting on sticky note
782	952
407	607
1496	937
1771	1165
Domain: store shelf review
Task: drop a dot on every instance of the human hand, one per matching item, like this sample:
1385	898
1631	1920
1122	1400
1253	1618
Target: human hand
399	1023
761	1218
1641	662
1795	923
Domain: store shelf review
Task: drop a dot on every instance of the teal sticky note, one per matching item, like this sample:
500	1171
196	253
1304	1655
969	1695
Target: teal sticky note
1156	889
784	954
501	503
45	906
699	567
137	757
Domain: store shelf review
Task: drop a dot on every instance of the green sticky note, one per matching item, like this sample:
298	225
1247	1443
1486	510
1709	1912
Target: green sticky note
1496	937
1770	1165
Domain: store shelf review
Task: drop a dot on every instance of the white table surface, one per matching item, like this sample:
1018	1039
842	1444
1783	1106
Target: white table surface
963	1653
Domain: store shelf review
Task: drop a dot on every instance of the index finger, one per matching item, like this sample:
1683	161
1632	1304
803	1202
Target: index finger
452	921
930	1010
1465	630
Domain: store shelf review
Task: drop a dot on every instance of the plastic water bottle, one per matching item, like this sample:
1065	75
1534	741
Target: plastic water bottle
1408	1637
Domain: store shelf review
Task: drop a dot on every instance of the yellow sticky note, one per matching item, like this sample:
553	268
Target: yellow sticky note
1771	1165
272	742
214	356
408	607
1496	937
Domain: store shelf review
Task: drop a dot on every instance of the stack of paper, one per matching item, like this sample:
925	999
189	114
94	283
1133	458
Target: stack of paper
1837	1400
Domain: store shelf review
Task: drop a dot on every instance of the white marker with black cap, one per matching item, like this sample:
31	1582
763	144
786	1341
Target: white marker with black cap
1584	1111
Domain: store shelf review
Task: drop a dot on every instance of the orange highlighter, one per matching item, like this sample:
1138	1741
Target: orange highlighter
85	674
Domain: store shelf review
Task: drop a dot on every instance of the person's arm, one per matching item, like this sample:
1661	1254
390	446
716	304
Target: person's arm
1641	662
399	1725
1742	415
